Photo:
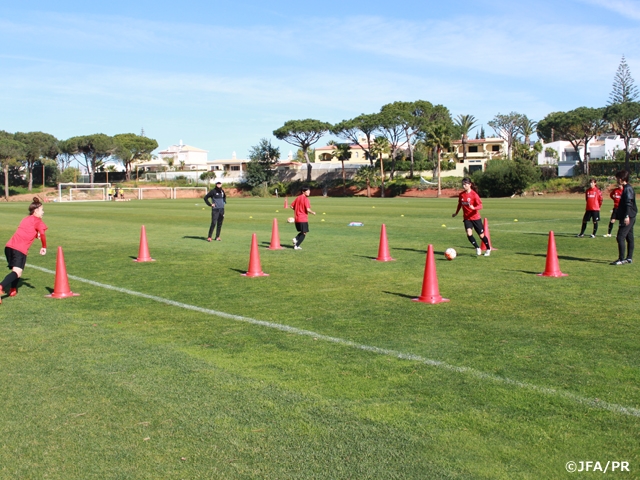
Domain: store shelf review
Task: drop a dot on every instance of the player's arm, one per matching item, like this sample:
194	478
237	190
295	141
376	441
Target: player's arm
310	211
43	239
206	199
457	209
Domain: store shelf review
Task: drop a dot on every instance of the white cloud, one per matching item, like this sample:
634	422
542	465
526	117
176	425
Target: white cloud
626	8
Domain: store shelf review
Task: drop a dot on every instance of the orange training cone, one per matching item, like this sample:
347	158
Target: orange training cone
383	249
430	291
61	286
286	202
275	237
255	270
143	252
485	226
552	268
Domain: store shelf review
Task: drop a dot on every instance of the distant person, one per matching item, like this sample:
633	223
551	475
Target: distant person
593	196
17	248
615	195
219	198
470	202
626	216
301	208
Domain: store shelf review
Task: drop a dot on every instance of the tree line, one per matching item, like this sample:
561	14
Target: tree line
31	149
401	128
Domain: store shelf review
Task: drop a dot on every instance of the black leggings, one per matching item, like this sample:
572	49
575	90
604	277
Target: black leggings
625	233
217	217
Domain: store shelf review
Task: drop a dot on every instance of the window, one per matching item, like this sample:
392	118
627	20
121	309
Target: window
235	168
495	148
473	149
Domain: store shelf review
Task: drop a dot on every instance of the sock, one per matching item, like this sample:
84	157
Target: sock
610	228
485	240
300	238
584	227
472	240
595	227
14	284
8	280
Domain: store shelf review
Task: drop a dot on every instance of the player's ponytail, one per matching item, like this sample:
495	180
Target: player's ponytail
36	204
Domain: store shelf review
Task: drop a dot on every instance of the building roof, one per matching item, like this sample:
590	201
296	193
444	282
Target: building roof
182	148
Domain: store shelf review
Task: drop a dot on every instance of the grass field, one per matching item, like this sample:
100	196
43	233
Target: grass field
513	378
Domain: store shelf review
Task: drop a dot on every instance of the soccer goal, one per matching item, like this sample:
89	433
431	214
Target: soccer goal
156	193
83	192
189	192
128	193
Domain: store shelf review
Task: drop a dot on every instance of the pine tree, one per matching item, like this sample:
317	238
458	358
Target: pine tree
482	132
624	89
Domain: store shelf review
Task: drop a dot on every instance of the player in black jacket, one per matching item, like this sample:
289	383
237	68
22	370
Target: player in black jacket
627	211
219	198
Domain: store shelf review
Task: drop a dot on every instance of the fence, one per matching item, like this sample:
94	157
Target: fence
610	168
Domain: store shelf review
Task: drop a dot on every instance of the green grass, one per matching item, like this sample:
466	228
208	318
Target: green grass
110	385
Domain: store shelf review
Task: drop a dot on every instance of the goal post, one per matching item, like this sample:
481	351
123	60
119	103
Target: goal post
85	192
159	193
189	192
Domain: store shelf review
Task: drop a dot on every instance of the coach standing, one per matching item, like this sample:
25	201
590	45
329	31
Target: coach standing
627	211
218	199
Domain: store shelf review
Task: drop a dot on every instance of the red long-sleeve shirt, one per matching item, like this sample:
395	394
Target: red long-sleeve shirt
29	229
465	201
615	195
594	198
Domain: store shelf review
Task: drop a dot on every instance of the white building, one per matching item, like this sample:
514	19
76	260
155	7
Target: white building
178	157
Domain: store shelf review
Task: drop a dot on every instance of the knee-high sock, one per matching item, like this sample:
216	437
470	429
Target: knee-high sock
472	240
485	240
595	227
8	280
584	227
610	228
300	238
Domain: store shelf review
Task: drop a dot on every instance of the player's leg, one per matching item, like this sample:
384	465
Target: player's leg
219	226
477	225
214	220
13	276
596	218
469	228
630	242
612	222
585	220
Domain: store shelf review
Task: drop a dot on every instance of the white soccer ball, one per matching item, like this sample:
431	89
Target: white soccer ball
450	254
290	220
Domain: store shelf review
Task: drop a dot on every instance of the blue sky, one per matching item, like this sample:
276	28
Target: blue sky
222	75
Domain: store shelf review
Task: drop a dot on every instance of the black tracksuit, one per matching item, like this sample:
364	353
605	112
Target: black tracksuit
219	199
626	208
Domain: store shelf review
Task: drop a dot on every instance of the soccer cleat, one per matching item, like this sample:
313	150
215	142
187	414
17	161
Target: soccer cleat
487	253
629	260
295	242
593	236
580	236
618	262
209	239
606	235
13	292
478	251
297	248
218	239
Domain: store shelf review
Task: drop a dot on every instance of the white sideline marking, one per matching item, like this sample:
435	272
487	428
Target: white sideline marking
590	402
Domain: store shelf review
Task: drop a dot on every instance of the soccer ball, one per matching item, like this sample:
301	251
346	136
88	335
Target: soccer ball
290	220
450	254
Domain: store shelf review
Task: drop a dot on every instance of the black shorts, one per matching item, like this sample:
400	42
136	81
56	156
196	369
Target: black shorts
475	224
614	214
15	258
591	214
302	227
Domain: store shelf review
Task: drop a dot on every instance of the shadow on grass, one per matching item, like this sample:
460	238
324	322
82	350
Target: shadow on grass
238	270
195	238
268	244
410	250
565	257
366	256
527	272
403	295
542	234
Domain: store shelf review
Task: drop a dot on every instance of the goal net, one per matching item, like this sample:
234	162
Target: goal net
83	192
189	192
156	193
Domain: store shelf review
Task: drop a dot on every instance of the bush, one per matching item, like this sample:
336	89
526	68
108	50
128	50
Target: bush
503	178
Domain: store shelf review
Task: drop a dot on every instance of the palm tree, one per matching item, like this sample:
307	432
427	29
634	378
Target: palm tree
380	146
342	152
465	123
527	128
440	140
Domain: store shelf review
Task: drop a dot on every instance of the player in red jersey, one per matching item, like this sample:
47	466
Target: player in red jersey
593	195
302	209
615	195
30	228
470	202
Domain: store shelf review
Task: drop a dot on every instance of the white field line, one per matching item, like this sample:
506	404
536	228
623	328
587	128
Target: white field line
589	402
